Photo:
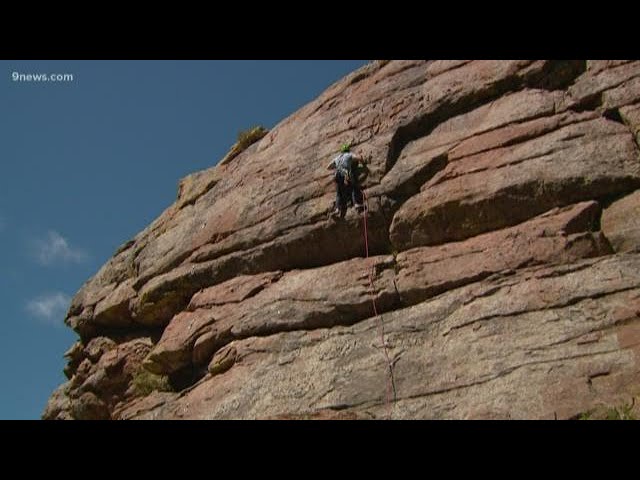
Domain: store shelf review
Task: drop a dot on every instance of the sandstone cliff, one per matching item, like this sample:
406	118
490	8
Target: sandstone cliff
504	260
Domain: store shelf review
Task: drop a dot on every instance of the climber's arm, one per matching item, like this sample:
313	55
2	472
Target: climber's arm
359	159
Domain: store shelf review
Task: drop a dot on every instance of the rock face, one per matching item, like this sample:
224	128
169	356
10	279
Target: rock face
502	281
621	223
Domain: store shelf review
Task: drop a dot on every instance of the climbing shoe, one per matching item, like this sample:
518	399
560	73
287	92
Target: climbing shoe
338	212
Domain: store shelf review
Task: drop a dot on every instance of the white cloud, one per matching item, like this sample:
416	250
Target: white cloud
51	307
56	248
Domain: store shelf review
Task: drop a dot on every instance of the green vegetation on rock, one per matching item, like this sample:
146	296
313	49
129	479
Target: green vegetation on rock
146	382
250	136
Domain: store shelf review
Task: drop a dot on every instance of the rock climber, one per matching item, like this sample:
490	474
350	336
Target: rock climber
346	178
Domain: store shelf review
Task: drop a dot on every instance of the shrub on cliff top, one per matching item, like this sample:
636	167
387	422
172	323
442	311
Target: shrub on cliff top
251	135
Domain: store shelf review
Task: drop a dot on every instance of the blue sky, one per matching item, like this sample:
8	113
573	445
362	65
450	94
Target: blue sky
87	164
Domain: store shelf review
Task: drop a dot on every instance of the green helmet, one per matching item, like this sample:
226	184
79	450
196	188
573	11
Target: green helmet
345	147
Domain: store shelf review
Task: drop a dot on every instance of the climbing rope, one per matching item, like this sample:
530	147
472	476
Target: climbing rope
391	387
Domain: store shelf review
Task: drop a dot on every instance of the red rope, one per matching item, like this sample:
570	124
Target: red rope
390	381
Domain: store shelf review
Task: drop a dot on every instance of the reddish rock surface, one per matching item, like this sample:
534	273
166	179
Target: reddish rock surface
503	290
621	223
338	294
559	236
541	343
